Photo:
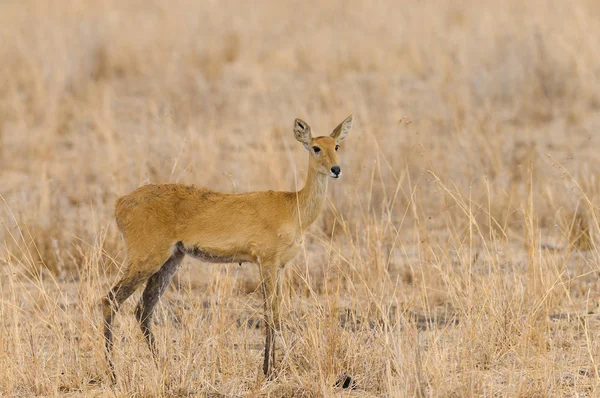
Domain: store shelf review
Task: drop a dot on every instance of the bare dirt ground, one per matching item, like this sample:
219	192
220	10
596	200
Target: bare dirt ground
455	257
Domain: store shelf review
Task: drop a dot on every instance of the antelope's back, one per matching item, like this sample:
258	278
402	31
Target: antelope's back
189	210
160	203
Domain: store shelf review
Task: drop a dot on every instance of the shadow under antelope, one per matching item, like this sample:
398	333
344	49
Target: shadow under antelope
162	223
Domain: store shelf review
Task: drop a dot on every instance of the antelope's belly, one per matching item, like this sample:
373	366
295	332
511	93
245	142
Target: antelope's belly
212	256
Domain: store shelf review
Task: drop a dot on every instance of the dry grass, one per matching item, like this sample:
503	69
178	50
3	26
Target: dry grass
456	257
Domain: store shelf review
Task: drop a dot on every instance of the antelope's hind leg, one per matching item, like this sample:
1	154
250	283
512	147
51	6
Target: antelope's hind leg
120	292
155	288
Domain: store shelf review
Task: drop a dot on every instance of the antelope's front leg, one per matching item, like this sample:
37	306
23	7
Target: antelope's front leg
272	296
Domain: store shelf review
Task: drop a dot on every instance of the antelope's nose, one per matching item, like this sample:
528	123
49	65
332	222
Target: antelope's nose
336	170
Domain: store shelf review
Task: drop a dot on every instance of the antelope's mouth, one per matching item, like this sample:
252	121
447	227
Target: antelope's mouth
336	176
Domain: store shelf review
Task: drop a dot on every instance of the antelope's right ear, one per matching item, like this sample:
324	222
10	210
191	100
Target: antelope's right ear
302	132
342	130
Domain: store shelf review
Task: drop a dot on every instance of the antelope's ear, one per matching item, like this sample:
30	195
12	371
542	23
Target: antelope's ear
302	132
342	130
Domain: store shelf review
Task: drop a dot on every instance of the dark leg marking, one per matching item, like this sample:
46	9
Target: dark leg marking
155	288
269	361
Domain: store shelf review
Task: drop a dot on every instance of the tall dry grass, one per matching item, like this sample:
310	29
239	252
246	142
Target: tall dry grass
457	256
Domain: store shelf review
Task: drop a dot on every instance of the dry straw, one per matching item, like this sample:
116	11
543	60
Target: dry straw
455	257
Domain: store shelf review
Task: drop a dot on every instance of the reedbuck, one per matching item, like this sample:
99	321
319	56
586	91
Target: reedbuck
162	223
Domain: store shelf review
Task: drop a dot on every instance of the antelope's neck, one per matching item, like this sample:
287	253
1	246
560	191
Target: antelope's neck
312	197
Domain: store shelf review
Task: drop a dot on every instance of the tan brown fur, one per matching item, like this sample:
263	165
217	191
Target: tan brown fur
161	223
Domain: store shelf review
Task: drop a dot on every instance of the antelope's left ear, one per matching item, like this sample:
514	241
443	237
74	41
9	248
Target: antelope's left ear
342	130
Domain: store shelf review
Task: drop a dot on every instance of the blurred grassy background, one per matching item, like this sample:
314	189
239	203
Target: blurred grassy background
474	152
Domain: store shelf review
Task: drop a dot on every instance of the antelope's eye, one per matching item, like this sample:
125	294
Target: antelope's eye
316	149
337	147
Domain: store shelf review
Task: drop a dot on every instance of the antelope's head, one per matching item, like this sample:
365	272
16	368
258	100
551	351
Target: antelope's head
323	150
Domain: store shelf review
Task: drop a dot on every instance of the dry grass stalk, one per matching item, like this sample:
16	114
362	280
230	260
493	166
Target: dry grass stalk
580	238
